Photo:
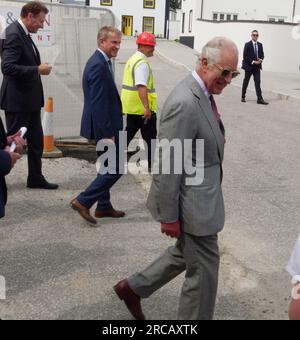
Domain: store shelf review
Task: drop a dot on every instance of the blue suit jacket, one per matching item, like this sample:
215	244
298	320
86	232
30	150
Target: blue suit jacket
5	167
249	56
102	112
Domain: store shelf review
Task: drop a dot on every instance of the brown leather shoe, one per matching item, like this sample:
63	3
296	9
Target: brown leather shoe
131	300
83	211
109	213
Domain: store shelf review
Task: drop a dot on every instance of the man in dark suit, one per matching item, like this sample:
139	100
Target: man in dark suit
101	121
7	160
252	64
21	95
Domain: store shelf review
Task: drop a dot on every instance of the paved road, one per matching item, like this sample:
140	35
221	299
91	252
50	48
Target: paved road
57	267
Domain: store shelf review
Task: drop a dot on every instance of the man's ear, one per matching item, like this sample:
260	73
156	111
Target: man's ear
204	63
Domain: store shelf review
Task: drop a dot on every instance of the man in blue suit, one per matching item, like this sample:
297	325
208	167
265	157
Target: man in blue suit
102	120
7	160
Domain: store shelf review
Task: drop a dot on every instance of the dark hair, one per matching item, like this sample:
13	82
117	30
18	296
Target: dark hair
255	31
34	7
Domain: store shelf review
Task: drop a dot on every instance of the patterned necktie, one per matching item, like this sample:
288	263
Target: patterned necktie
217	114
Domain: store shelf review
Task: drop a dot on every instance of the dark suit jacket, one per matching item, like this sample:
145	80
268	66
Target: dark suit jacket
5	167
249	56
102	112
21	89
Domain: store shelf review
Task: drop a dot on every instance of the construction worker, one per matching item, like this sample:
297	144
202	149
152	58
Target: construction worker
139	95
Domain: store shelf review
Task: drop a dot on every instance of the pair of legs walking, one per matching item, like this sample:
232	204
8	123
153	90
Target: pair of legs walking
148	131
199	258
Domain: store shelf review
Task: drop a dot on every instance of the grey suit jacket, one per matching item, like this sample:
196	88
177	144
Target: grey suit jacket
187	114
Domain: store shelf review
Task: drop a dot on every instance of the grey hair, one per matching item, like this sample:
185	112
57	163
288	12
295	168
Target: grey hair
104	32
212	50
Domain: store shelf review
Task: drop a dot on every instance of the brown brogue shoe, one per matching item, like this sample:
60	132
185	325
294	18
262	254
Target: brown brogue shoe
131	300
109	213
83	211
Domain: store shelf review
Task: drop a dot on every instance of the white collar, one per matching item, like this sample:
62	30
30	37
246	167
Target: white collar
104	54
23	26
201	83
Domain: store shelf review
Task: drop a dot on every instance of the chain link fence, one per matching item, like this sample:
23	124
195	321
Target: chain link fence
69	38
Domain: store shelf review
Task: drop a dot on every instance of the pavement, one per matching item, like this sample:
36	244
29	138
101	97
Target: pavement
58	267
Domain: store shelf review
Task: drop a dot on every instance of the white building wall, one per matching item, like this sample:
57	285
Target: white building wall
245	9
136	9
281	49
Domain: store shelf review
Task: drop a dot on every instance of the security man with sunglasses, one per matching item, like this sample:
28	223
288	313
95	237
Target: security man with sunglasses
252	64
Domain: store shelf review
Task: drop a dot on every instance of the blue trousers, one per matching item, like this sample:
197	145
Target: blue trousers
99	190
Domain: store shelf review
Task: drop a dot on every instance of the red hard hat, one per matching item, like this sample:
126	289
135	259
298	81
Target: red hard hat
146	38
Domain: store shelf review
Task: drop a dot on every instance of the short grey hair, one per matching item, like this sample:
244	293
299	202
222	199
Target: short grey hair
105	30
212	50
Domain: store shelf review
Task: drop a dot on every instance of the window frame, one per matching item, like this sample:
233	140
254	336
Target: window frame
153	20
150	7
106	4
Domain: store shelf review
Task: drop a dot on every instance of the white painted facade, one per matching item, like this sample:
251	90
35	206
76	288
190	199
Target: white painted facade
281	41
136	10
261	10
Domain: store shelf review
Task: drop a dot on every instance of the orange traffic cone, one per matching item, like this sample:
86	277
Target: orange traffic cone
50	151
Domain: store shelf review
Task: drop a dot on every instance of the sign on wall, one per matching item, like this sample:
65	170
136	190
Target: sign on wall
44	37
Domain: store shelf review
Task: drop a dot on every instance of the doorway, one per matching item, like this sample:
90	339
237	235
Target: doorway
127	25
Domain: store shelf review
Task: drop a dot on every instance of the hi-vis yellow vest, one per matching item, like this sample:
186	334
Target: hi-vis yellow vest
131	101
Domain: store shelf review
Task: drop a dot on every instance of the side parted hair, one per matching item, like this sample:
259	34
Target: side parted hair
34	7
104	32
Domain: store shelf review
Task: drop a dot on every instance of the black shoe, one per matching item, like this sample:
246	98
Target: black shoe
262	102
243	100
42	185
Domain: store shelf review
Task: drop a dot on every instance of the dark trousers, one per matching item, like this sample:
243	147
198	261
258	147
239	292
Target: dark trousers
256	76
2	203
99	190
34	137
148	131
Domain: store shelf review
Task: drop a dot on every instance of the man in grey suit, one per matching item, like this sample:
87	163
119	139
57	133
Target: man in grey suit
194	214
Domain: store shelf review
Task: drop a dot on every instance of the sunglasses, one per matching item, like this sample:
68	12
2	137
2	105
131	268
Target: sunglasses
225	72
255	35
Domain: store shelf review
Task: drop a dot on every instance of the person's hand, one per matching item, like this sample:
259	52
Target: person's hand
45	69
14	156
171	229
20	142
147	114
109	141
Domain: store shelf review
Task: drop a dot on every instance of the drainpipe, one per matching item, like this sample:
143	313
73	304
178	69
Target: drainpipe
294	10
202	7
167	19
